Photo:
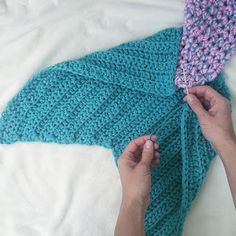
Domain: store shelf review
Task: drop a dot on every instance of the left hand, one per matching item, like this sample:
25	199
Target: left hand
134	166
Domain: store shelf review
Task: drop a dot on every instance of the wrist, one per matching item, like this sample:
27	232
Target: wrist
226	146
133	203
131	218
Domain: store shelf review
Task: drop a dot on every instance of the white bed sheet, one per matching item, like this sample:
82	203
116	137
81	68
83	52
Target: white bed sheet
60	190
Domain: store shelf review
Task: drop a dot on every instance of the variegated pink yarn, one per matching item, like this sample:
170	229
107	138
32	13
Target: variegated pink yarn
208	41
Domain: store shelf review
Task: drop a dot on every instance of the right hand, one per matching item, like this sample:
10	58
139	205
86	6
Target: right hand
214	115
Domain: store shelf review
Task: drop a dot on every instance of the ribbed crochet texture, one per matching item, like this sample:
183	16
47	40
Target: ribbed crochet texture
110	97
208	40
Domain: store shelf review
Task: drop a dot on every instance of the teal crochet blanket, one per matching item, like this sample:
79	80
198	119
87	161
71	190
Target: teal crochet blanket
108	98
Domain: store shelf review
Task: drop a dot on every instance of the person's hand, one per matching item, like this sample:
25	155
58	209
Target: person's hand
134	166
214	114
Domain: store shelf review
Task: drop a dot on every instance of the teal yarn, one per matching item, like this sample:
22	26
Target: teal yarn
108	98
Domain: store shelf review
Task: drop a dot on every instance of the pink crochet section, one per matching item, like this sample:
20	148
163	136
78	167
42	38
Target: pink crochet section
208	41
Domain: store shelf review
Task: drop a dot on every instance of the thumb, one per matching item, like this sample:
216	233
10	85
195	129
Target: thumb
196	106
147	154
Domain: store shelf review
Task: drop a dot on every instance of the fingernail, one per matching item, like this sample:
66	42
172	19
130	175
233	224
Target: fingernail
185	91
188	98
148	144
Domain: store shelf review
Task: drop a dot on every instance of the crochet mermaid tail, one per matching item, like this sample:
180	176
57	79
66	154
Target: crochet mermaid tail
108	98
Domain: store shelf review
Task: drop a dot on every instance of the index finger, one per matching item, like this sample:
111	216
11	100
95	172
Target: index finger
205	91
138	142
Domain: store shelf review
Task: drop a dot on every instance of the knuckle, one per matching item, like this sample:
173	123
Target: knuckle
146	153
127	153
209	88
143	166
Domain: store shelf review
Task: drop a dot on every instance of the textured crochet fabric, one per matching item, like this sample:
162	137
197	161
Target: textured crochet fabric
208	41
110	97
